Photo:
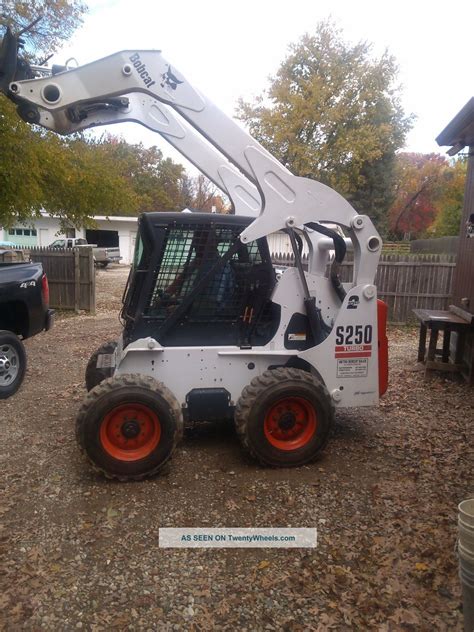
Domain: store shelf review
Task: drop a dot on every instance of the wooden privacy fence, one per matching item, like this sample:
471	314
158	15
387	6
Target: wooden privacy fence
71	276
405	282
436	246
397	247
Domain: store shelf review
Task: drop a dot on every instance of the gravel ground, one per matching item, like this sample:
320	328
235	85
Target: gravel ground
80	552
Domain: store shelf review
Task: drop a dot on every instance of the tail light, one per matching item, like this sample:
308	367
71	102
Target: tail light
382	313
45	290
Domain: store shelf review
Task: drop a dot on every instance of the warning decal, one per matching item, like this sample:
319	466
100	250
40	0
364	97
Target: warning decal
353	351
353	367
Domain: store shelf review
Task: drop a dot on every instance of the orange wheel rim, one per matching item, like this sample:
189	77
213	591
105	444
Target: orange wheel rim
290	423
130	432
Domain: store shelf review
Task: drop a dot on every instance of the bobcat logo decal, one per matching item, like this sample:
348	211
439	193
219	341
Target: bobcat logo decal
169	79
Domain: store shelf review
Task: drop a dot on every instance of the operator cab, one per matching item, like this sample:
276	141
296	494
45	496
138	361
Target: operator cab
194	283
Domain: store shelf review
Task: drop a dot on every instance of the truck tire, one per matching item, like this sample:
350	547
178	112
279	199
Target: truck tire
284	417
94	375
12	363
129	426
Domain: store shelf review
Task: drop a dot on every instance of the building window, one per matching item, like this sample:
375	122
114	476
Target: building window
25	232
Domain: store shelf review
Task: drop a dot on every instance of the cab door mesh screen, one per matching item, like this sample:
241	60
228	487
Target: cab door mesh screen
190	253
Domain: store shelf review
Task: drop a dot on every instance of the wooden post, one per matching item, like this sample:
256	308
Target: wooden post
446	341
77	281
92	282
422	343
433	344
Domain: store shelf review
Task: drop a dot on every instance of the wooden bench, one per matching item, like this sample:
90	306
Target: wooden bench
444	322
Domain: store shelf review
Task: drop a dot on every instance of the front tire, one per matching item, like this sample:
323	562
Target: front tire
284	417
94	375
12	363
129	426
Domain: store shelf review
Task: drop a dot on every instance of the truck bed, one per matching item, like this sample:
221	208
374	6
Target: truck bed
23	309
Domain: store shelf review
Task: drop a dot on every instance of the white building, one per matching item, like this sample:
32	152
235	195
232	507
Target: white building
116	231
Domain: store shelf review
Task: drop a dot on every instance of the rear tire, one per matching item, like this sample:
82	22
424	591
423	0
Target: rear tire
94	375
12	363
284	417
129	426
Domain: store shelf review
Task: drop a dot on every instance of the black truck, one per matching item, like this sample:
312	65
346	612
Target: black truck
24	312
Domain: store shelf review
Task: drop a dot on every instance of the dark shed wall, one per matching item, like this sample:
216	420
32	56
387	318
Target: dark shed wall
464	275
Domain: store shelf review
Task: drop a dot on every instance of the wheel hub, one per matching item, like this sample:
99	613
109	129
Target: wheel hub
130	429
9	364
287	421
290	423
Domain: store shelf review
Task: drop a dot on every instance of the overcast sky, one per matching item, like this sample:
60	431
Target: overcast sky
229	49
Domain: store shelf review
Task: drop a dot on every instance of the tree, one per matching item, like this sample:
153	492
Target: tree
333	113
77	177
20	160
31	162
428	196
450	204
158	183
206	196
70	177
80	176
59	20
420	179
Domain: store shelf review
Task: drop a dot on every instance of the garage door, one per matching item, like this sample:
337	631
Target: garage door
103	238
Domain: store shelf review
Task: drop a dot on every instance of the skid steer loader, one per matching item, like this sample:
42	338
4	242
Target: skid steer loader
208	331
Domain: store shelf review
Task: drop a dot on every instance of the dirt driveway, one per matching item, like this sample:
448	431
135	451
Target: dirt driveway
79	552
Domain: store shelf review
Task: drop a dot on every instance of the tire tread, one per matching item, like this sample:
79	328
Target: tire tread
92	373
107	387
257	387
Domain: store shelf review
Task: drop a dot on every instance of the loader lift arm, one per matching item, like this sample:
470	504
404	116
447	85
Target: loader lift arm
142	86
135	108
